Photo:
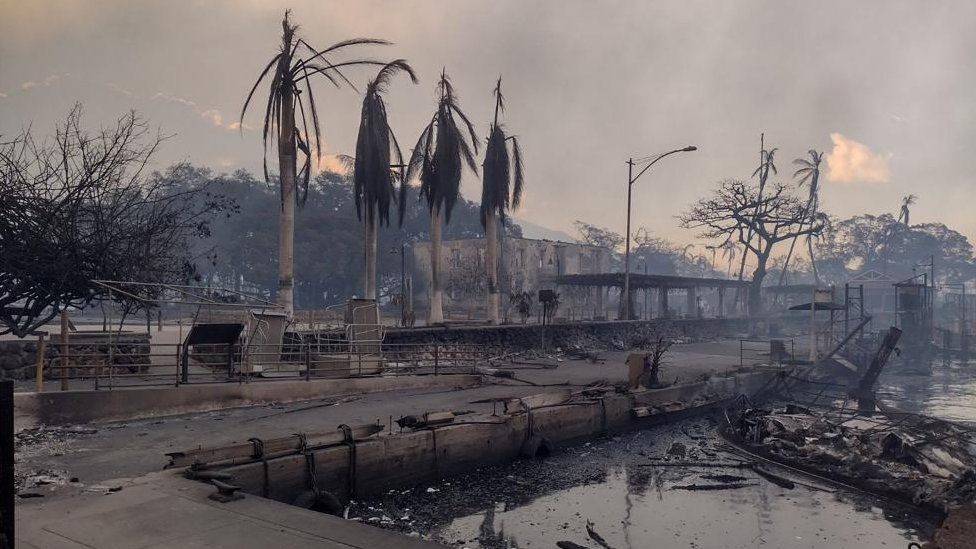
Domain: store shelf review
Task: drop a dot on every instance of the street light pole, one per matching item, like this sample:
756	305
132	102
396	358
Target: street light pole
625	297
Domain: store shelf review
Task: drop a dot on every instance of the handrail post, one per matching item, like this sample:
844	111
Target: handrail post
177	362
39	368
185	365
437	348
308	362
64	349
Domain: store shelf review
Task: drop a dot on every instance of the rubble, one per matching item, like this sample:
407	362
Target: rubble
39	442
928	463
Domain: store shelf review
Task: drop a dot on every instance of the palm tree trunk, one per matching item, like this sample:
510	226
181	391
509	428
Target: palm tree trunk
435	309
369	285
286	224
786	264
491	264
813	261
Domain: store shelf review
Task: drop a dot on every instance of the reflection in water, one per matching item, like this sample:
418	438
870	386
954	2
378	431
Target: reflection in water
635	505
948	393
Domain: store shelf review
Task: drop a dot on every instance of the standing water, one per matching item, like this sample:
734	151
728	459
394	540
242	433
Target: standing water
948	392
616	490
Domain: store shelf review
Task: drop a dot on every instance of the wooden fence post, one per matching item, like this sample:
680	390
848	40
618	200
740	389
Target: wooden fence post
39	368
64	350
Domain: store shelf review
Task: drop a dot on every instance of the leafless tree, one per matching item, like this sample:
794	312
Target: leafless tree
737	210
598	236
78	207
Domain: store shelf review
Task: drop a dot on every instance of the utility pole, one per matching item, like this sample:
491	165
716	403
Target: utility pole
631	178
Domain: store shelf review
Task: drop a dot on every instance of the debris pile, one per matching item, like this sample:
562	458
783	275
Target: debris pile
33	481
923	461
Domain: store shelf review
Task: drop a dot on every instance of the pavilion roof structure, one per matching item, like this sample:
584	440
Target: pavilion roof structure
639	280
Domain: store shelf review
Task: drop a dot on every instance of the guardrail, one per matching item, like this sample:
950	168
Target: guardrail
98	366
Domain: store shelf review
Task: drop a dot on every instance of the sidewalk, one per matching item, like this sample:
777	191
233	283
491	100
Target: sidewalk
165	510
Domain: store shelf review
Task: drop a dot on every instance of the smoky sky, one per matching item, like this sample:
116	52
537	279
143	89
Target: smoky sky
886	86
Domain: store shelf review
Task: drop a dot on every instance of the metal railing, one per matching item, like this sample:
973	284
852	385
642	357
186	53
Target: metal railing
101	365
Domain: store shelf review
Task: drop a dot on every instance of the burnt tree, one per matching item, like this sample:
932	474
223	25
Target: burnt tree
737	212
78	207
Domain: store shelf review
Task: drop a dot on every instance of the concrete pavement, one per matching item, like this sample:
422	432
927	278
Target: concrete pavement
165	510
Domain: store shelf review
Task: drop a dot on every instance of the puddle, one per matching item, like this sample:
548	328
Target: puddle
631	503
948	393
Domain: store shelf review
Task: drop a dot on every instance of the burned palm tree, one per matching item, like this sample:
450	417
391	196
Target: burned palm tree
767	164
290	105
438	159
374	176
906	202
502	179
808	173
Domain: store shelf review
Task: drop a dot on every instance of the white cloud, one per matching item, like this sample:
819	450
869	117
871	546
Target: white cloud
3	95
237	126
119	89
173	99
48	80
853	162
214	116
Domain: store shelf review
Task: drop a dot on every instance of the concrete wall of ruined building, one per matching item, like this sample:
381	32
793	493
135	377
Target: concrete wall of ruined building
524	265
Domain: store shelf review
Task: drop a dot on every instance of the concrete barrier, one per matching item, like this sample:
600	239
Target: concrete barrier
66	407
395	461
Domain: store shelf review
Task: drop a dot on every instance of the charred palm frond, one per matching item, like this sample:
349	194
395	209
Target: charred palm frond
767	164
809	173
444	147
905	211
503	172
374	175
290	91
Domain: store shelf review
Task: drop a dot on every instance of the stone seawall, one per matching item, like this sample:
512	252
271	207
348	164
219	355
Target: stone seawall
129	353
